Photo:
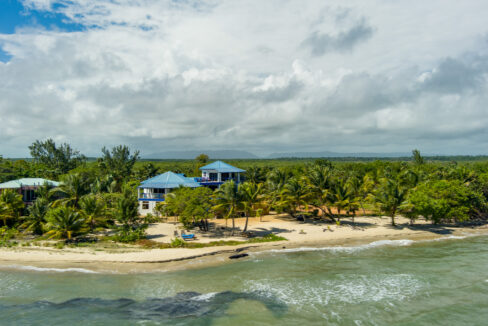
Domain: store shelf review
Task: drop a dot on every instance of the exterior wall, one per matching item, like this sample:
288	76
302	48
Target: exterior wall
152	205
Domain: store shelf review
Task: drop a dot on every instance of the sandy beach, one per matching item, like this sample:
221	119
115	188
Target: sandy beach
298	234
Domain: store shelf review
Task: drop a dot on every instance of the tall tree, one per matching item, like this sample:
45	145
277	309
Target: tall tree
417	158
126	211
60	158
294	195
227	197
250	196
119	162
319	184
389	196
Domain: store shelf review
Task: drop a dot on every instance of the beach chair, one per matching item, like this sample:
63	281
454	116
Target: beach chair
189	236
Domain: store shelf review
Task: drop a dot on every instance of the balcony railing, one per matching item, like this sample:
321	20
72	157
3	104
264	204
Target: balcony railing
151	196
207	180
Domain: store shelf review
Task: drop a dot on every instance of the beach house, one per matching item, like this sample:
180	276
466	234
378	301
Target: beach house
153	190
27	187
218	172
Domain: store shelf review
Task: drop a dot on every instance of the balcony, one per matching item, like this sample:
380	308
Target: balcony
206	181
151	197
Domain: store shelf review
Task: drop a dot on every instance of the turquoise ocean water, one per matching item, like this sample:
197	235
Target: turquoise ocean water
383	283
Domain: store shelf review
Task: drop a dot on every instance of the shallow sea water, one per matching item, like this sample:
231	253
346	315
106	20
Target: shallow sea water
398	282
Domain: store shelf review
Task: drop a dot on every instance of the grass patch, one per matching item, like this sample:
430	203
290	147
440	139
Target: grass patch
179	243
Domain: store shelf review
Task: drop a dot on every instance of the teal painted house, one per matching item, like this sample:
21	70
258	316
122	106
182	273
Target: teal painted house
27	187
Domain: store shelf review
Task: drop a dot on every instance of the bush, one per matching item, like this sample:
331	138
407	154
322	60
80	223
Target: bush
127	236
150	218
178	243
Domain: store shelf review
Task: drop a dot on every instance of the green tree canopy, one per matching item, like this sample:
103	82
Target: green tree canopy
119	162
60	159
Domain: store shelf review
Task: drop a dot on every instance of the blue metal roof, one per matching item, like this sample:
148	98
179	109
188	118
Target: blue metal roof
169	180
221	167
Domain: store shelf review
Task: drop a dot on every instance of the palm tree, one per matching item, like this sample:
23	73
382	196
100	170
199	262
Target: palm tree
12	204
93	209
37	216
319	184
255	175
227	198
250	195
389	196
63	222
340	196
293	196
5	213
71	190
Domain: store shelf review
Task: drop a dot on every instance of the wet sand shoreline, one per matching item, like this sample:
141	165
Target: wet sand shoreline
299	235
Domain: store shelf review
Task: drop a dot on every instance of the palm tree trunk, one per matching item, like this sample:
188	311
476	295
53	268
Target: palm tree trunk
362	207
233	225
247	220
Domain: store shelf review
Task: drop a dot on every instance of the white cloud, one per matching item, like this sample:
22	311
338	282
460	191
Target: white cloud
165	75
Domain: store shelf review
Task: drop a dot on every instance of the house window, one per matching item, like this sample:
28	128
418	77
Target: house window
145	205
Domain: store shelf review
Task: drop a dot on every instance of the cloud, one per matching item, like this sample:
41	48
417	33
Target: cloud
227	75
344	41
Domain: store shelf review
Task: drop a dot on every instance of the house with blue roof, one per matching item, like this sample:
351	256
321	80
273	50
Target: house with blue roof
153	190
218	172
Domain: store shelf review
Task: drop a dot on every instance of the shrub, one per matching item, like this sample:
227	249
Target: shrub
127	236
178	243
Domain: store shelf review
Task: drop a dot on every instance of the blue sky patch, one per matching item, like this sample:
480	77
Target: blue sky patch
14	15
4	56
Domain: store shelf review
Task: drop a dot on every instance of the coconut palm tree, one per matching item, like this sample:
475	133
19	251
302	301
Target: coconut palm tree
319	180
250	195
12	204
340	196
37	216
389	196
64	222
228	199
71	190
93	210
294	195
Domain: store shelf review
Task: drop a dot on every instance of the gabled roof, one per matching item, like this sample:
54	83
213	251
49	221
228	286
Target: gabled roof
169	180
221	167
27	182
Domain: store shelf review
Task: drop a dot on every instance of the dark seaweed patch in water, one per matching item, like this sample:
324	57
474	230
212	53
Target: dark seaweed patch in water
182	305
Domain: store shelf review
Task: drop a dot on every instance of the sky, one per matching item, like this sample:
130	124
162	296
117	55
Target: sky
258	75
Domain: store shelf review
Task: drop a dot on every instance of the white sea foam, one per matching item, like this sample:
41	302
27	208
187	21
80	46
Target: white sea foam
375	244
48	269
379	243
451	237
205	296
351	289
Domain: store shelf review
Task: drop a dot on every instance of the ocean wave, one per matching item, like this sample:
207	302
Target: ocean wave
374	244
379	243
49	269
346	289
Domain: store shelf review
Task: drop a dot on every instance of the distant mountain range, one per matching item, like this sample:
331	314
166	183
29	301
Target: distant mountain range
236	154
189	155
335	154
